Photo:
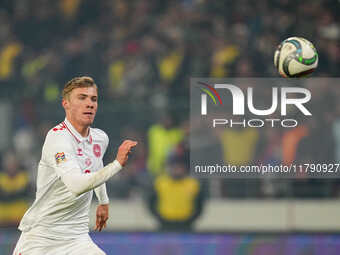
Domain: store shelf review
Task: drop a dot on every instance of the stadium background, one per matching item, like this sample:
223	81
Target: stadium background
142	54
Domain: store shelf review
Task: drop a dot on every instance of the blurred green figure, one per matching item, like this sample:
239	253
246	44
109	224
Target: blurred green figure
162	138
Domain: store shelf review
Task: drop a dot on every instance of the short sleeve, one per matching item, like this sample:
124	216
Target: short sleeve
58	152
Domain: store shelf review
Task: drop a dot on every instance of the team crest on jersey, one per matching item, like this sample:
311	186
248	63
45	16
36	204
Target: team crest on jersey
60	157
96	150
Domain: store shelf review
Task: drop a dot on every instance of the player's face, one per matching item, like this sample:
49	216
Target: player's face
81	107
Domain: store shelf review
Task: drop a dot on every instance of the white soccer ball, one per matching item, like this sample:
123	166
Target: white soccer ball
296	57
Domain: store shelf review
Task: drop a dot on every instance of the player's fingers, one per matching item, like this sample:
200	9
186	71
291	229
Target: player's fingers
103	222
130	146
98	222
132	143
128	143
102	226
129	149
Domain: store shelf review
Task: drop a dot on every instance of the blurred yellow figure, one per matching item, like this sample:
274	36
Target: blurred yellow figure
239	145
8	55
176	199
14	187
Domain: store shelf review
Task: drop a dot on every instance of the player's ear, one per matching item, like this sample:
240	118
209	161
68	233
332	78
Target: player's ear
65	103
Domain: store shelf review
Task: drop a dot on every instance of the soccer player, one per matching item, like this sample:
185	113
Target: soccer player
71	167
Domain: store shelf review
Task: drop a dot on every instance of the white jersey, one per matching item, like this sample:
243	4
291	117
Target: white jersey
57	213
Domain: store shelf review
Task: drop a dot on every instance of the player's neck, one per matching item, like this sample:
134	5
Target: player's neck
81	129
84	131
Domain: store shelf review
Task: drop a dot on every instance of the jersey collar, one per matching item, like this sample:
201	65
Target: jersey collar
76	134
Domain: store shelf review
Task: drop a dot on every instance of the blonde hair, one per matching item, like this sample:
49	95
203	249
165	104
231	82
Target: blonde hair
77	82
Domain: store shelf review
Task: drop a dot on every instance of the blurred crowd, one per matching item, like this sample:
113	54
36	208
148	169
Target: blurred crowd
142	54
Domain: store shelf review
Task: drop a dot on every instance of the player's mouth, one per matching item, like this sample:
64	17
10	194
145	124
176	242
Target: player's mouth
88	113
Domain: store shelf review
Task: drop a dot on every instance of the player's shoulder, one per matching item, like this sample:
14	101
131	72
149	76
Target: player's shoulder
57	132
57	138
99	135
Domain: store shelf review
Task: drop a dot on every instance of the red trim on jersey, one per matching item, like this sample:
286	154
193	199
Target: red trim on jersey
61	127
63	123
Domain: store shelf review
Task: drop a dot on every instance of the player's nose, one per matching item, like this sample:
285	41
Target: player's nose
90	104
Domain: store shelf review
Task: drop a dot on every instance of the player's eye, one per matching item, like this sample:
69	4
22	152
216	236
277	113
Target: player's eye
94	99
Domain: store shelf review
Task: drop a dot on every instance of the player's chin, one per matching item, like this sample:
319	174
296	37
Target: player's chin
88	119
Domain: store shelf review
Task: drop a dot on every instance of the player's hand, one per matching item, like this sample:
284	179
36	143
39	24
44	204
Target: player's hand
102	215
124	150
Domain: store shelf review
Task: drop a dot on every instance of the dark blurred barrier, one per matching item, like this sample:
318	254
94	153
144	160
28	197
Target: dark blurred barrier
238	244
181	243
